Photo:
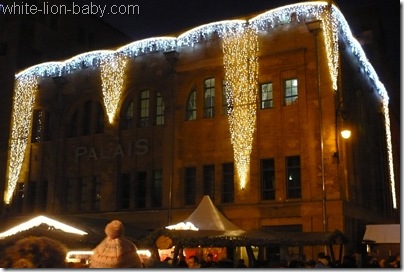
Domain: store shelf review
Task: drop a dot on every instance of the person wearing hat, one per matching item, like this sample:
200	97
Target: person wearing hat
115	251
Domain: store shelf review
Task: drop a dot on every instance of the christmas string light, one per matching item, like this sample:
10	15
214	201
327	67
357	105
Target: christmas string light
334	24
240	59
112	78
26	88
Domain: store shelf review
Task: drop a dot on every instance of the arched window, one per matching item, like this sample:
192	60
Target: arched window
144	108
191	106
87	119
127	119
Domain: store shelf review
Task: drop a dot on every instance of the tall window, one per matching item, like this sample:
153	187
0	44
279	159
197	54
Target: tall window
209	101
124	191
96	193
87	119
293	181
86	124
267	179
291	92
191	106
209	180
159	109
189	185
144	108
128	116
141	189
267	96
157	190
224	98
99	118
40	126
228	183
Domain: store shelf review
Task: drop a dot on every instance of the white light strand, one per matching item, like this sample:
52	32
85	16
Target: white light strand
240	59
112	79
282	15
26	88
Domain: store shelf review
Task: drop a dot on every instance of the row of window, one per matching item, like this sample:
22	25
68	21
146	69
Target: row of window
138	191
89	119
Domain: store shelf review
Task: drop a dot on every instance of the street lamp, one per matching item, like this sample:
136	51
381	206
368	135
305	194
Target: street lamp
345	132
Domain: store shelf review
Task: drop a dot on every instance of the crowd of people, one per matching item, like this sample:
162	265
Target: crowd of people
115	251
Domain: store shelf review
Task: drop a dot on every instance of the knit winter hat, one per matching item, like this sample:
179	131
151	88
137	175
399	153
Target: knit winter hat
115	251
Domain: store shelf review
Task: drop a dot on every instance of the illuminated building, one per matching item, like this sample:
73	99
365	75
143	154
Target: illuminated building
246	111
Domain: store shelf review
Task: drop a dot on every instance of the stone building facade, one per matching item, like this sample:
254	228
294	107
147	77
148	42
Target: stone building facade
169	141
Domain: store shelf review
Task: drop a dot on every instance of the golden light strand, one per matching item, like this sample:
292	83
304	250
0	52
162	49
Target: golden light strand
24	98
112	78
240	50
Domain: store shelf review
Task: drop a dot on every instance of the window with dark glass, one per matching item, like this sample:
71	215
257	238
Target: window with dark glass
96	193
86	124
267	96
144	108
209	180
140	190
191	106
31	195
43	199
127	120
74	125
40	126
124	191
267	179
99	118
228	183
157	190
189	185
159	109
290	92
293	181
209	98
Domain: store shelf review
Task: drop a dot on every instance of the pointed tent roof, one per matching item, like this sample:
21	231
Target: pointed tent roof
207	217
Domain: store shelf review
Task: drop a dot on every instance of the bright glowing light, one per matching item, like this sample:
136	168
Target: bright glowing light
112	73
240	49
144	252
346	134
38	221
183	226
26	88
334	25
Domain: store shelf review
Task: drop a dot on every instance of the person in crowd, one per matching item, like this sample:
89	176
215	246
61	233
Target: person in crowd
241	264
209	262
35	252
193	262
115	251
322	261
310	263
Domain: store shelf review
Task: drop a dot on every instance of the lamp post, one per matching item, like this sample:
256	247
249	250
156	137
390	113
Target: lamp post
314	27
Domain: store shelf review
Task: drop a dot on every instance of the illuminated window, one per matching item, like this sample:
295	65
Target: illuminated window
189	185
267	179
140	190
228	183
267	96
157	190
191	106
127	119
224	98
159	110
209	101
290	92
209	180
293	181
144	108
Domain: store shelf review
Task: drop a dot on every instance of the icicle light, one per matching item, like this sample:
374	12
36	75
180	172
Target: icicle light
240	50
26	88
334	27
112	78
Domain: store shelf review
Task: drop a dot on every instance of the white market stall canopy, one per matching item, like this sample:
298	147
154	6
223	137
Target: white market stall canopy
383	234
207	217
